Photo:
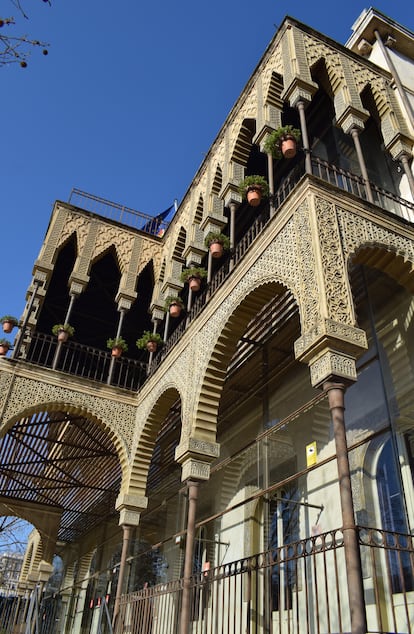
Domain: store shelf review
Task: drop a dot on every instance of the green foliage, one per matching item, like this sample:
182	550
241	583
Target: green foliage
193	272
10	318
273	142
66	327
148	336
117	342
254	181
216	236
173	299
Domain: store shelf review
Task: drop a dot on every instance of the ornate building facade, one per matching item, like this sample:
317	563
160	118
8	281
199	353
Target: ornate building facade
255	473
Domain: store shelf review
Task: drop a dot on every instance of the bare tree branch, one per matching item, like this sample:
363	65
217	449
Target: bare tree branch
17	48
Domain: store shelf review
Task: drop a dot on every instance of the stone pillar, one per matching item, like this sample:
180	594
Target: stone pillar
332	365
336	392
195	456
130	507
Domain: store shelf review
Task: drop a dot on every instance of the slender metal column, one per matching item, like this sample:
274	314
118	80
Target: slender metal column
23	327
233	208
361	161
118	334
336	394
189	555
406	166
167	325
65	321
189	304
124	554
305	137
271	180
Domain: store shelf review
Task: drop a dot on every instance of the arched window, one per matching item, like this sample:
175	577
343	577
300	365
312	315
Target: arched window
283	530
393	519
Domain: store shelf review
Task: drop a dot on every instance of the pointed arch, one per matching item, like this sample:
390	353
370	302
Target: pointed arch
146	444
243	145
180	244
215	374
217	181
386	259
198	216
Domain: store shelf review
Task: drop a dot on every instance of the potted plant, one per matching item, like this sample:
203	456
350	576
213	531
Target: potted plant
150	341
63	331
217	243
282	142
253	188
5	346
9	322
118	345
194	276
174	305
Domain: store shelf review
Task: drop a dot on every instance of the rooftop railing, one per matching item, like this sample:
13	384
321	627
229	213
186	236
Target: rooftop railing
119	213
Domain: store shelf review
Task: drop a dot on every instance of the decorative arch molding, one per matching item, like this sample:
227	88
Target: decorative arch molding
74	224
23	396
243	310
109	237
164	399
366	242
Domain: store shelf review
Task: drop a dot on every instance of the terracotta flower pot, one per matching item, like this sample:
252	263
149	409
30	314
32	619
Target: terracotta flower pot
216	249
288	147
62	335
116	351
152	346
175	310
3	350
8	326
254	196
194	283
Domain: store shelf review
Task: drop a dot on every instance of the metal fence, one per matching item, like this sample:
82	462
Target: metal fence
299	588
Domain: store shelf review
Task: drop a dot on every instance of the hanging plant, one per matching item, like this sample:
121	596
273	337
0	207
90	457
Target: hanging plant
8	322
5	346
118	345
253	188
174	304
282	142
150	340
63	331
217	242
194	276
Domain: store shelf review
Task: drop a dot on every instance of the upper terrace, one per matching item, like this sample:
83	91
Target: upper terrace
97	365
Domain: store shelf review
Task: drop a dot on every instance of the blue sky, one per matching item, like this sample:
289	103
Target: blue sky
127	103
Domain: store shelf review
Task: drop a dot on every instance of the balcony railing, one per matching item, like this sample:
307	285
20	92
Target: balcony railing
355	184
297	588
86	362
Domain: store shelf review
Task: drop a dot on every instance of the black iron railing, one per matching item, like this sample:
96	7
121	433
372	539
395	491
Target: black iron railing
293	589
85	361
354	184
154	225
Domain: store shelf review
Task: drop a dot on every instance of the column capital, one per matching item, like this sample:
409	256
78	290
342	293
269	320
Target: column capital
400	146
299	90
130	507
330	334
352	119
195	456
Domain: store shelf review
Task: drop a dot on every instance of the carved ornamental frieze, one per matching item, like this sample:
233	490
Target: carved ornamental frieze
22	395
